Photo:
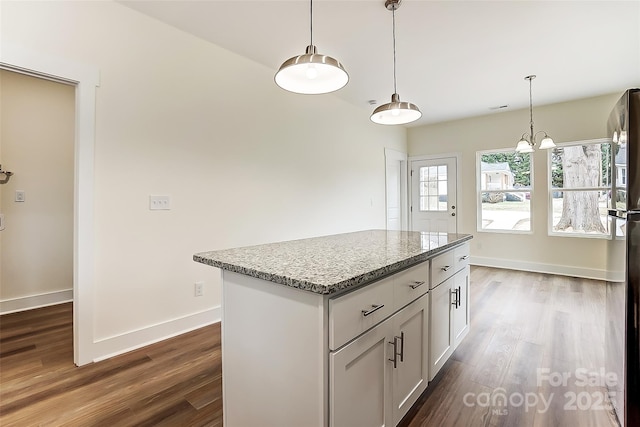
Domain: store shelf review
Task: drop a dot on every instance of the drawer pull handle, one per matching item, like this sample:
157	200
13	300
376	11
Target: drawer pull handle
462	258
374	308
445	268
416	284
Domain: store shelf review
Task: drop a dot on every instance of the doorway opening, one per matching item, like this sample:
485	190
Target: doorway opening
85	79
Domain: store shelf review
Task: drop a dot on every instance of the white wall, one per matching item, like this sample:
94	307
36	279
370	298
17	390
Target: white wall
243	161
36	137
571	121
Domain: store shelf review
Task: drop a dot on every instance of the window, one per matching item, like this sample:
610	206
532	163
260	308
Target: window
504	185
580	189
433	188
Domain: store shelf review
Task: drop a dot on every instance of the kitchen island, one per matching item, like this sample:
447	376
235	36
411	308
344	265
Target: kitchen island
338	330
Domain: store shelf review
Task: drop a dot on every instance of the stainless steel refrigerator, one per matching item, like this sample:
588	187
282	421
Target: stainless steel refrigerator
622	331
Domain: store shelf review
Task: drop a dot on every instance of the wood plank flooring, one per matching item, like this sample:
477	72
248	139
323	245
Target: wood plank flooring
520	323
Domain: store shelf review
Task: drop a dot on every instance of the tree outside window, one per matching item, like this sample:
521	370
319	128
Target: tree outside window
504	191
580	189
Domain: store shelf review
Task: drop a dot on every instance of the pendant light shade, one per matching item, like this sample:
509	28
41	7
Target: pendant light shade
311	73
528	141
395	112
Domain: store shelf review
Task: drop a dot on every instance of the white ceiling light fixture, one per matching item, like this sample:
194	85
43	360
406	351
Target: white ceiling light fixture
311	73
528	141
395	112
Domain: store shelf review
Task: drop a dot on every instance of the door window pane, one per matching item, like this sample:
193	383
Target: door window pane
433	188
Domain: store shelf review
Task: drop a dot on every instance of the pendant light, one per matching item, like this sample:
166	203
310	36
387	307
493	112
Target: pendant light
311	73
528	141
395	112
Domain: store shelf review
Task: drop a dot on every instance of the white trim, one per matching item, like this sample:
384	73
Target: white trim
123	343
393	155
31	302
86	79
459	206
536	267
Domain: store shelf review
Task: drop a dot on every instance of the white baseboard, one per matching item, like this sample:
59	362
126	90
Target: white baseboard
563	270
35	301
119	344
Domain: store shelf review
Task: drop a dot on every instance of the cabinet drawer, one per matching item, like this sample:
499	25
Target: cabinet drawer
442	267
410	284
461	256
355	312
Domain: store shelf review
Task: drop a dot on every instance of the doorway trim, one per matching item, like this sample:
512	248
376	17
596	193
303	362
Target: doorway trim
399	158
85	79
458	157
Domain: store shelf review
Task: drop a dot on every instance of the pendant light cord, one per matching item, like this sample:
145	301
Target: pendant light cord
393	10
311	19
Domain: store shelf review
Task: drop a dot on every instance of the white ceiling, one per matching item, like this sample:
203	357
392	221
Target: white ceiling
455	59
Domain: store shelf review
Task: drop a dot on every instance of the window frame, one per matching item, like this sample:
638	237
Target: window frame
551	190
479	192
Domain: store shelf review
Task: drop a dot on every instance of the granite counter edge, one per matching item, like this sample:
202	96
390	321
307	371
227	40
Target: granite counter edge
353	282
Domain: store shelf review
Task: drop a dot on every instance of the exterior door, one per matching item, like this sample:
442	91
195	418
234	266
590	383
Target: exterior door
433	195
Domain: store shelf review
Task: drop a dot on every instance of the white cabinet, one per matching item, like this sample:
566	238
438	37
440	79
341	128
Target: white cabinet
461	307
359	385
376	378
440	334
410	376
449	306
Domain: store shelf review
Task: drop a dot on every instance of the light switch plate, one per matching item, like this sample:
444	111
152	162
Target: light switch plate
19	196
159	203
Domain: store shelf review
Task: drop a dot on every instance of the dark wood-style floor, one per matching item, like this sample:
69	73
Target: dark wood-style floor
522	325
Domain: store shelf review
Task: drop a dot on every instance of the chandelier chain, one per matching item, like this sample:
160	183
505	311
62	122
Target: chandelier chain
531	109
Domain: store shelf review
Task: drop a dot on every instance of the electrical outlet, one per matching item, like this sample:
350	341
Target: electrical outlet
159	203
199	289
19	196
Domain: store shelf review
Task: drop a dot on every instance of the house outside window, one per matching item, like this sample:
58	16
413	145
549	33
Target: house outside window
504	191
580	188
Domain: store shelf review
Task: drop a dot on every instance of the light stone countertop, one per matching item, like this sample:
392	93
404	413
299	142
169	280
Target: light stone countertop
328	264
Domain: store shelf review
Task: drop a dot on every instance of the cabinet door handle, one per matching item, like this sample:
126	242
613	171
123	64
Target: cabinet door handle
416	284
455	301
445	268
462	258
401	346
395	352
459	297
374	308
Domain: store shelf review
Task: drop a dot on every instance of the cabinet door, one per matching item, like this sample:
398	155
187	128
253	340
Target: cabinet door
440	333
359	382
411	374
461	309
